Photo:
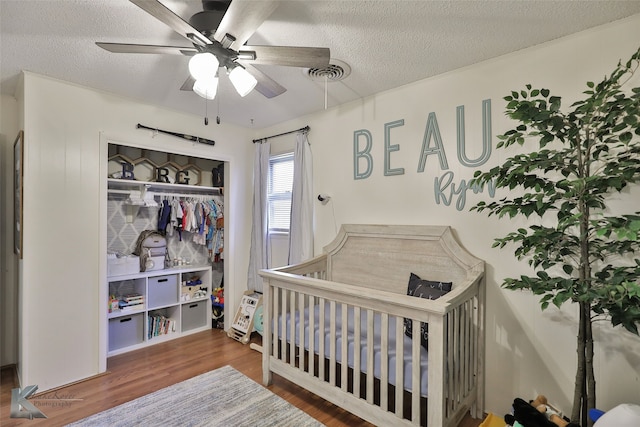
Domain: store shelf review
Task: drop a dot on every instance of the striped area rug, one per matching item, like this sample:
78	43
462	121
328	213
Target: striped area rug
223	397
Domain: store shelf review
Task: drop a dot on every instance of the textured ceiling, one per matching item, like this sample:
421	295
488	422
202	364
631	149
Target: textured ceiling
386	43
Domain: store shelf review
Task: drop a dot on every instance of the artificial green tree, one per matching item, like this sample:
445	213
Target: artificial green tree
580	250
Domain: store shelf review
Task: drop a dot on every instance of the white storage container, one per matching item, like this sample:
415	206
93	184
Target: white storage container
129	264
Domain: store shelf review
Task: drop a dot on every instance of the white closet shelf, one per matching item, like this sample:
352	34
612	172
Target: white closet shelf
123	186
126	186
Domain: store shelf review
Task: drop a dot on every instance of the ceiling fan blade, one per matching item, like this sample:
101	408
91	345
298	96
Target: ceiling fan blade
266	85
146	48
177	24
306	57
242	19
188	84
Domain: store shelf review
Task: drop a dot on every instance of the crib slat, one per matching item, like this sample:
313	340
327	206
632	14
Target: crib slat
439	367
321	339
357	350
292	328
462	389
415	372
459	351
451	364
456	358
332	343
463	358
301	336
276	313
345	348
312	340
283	345
467	347
472	343
370	370
399	366
384	361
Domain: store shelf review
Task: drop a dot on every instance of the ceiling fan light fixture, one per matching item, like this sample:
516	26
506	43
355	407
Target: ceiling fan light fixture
206	88
242	80
203	65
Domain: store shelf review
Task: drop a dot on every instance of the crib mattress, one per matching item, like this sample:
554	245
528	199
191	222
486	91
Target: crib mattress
391	358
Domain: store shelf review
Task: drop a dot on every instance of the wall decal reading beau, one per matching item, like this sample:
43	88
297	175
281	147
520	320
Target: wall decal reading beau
363	159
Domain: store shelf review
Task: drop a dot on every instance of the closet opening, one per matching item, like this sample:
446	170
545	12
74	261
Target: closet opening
165	246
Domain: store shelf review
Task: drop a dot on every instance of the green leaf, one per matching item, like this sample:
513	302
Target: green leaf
626	137
630	120
561	298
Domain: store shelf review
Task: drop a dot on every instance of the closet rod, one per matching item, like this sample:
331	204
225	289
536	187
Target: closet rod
114	191
304	129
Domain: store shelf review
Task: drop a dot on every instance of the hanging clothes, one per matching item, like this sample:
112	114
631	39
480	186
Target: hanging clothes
201	217
163	217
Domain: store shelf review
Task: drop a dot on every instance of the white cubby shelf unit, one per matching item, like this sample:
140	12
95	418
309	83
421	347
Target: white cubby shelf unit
170	307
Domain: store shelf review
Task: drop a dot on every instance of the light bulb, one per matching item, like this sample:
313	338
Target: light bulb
203	66
242	80
206	88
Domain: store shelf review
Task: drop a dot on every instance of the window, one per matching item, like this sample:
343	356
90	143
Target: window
279	191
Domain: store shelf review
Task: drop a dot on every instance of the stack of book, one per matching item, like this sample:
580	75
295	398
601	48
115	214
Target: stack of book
131	302
160	325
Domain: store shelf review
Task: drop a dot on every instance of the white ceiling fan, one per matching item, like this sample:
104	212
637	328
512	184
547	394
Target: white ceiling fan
218	35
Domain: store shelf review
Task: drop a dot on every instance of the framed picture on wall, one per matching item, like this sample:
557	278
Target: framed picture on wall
18	163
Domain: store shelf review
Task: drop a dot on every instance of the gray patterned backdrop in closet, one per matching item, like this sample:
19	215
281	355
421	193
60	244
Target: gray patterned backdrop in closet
122	235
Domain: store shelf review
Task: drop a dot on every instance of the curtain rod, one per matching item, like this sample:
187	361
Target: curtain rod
304	129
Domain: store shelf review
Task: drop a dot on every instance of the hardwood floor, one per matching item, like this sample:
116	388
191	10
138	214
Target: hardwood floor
144	371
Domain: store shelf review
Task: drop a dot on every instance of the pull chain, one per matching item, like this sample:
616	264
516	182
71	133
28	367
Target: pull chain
218	115
206	112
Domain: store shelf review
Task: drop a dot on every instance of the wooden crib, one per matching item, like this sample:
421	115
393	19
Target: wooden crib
336	325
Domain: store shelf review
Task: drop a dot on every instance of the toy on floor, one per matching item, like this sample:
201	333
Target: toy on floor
218	296
217	308
537	413
242	325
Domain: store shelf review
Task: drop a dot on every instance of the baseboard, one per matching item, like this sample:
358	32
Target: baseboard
51	390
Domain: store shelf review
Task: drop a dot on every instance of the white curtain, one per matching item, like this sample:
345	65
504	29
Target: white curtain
301	227
259	254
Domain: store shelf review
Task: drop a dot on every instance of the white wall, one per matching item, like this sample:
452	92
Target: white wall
9	128
528	351
64	236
